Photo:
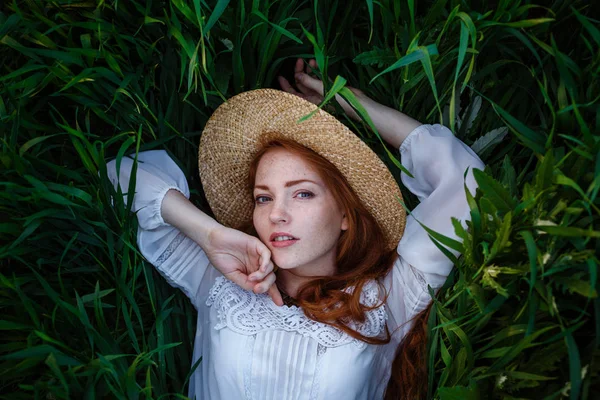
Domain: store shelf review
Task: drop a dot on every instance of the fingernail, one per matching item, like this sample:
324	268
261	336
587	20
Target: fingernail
298	76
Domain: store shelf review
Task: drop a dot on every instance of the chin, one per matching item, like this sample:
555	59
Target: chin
283	264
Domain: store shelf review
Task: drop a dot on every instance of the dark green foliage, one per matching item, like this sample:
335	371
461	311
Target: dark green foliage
84	316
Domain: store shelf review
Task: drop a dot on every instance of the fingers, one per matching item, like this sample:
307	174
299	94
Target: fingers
306	84
312	64
265	276
303	88
259	275
268	285
308	87
264	265
285	85
265	285
275	295
299	66
240	279
264	259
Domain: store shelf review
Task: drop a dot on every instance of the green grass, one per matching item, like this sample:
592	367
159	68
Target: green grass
84	316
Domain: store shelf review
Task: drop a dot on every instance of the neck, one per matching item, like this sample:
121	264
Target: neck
291	280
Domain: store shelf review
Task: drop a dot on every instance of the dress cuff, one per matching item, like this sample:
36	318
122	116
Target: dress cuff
407	141
157	205
156	174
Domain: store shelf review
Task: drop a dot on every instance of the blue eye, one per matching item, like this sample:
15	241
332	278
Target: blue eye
308	195
261	199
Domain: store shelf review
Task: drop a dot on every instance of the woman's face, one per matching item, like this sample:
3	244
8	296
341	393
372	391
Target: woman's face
295	214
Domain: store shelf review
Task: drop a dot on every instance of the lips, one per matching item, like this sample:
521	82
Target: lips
282	243
277	234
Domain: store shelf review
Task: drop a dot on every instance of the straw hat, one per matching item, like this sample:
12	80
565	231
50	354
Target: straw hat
232	136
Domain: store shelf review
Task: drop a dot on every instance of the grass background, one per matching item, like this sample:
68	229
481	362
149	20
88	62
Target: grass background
84	316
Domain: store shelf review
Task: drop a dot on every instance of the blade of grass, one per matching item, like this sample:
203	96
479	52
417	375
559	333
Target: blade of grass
408	59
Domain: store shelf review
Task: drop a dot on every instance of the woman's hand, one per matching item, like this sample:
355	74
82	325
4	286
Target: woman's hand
311	88
243	259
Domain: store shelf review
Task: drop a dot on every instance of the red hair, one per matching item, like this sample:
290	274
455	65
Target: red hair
361	257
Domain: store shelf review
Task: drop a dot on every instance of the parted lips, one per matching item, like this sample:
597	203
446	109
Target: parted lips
232	137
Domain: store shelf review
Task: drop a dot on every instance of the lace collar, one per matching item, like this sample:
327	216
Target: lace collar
247	313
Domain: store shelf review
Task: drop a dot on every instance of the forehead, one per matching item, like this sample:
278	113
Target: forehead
283	164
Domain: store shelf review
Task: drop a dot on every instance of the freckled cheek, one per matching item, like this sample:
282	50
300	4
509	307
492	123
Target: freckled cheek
258	219
322	226
331	226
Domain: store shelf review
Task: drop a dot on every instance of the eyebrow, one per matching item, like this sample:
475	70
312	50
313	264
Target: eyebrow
287	184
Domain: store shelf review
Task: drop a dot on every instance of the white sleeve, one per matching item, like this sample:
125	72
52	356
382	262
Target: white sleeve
437	160
179	259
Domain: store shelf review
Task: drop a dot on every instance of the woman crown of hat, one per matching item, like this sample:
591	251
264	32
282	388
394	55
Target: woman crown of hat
313	199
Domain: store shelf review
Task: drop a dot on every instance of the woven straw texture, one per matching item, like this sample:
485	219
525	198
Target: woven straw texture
231	138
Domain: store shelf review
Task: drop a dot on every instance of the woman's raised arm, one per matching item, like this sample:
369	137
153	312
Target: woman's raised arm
178	258
180	240
392	125
438	162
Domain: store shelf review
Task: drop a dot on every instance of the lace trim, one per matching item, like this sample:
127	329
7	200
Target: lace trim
170	249
247	313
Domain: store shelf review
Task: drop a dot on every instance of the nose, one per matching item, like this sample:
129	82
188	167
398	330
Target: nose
279	212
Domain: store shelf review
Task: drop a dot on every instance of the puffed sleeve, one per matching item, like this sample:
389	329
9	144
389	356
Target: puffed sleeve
437	160
179	259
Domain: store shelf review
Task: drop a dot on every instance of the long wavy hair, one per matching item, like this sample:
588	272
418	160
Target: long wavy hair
361	257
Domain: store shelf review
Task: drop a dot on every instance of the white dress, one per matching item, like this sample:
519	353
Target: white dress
253	349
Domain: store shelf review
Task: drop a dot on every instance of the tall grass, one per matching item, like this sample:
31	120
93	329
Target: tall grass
84	316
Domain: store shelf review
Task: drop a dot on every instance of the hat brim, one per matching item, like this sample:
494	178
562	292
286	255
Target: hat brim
232	137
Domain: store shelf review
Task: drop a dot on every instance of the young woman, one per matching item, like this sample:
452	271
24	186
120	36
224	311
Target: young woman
311	276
